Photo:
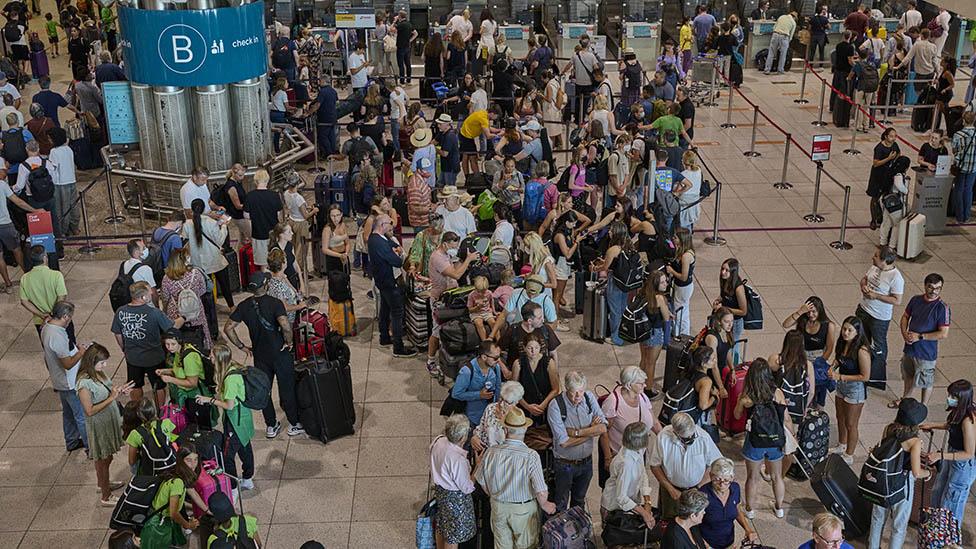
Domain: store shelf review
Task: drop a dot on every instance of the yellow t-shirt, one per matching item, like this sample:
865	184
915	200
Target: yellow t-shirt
685	38
474	125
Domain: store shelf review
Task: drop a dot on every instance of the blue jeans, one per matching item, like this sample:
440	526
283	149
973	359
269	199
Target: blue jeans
571	483
395	133
962	195
952	484
738	325
616	303
899	513
72	418
447	178
877	330
779	46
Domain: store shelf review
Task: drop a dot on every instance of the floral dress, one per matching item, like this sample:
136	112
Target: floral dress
284	291
193	280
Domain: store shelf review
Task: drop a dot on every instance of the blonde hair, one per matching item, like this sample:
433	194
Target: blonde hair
690	160
480	283
825	522
223	365
600	103
508	276
177	266
538	251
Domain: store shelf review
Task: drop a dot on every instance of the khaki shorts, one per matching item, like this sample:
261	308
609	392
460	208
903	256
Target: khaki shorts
922	371
243	228
300	228
515	525
260	248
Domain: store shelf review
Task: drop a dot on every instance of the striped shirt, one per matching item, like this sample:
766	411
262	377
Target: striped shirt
511	472
964	147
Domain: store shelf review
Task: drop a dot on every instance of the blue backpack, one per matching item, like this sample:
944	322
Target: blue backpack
533	208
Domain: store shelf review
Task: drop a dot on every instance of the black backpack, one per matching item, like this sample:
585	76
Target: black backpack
237	540
561	402
257	388
628	271
14	148
868	81
135	506
208	367
118	294
156	454
155	258
562	185
766	425
358	150
681	397
339	288
635	324
796	389
281	53
40	181
12	32
884	478
753	320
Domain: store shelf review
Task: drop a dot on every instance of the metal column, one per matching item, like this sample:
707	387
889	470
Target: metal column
252	120
213	132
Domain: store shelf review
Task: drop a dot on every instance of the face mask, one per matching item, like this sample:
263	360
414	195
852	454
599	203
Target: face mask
145	253
627	148
452	252
584	43
952	402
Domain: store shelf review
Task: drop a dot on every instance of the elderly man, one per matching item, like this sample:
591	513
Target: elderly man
511	475
532	323
576	421
457	219
828	533
680	458
386	261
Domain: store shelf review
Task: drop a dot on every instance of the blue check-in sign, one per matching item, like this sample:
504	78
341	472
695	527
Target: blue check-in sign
193	47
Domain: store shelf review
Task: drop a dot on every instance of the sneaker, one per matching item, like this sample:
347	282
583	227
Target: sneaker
750	514
780	513
272	430
848	459
839	449
293	430
110	502
405	352
562	326
246	484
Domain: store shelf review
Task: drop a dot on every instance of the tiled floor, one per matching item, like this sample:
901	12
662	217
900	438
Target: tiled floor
364	490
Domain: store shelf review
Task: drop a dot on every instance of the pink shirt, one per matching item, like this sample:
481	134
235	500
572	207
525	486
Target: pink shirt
439	283
580	179
619	414
502	294
484	301
550	195
449	467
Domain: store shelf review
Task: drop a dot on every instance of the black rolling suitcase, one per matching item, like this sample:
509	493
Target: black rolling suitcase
922	113
233	272
676	357
324	392
596	320
841	115
953	116
835	484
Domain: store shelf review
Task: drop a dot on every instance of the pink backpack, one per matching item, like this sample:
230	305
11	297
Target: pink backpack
211	479
175	414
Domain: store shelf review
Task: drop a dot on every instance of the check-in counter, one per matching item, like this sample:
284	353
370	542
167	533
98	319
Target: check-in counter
569	37
762	31
645	38
931	198
517	38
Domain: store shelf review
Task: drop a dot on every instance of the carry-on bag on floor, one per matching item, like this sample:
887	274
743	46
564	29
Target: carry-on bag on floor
841	113
245	263
813	443
835	484
923	111
450	364
677	356
233	273
419	320
734	380
309	333
911	236
39	65
595	318
937	527
342	318
571	529
325	401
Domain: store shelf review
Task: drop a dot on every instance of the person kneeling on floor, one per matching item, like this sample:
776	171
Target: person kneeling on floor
227	533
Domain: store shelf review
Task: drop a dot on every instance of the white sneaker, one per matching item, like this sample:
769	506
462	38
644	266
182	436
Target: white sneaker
246	484
750	514
848	459
234	495
296	430
780	513
839	449
272	430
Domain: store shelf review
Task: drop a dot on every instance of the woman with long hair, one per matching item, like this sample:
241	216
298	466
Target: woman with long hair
581	191
719	338
165	528
539	376
819	335
486	41
180	275
851	371
552	106
794	374
185	374
281	239
279	106
541	260
732	295
238	425
627	403
655	291
689	214
682	271
433	65
564	246
701	373
620	244
336	245
944	86
766	406
103	423
958	468
457	60
206	238
280	287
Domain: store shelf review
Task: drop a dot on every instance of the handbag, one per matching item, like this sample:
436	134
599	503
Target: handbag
425	525
161	532
452	405
623	528
538	437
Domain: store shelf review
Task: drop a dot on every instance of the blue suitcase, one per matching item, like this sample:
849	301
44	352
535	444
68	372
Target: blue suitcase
338	193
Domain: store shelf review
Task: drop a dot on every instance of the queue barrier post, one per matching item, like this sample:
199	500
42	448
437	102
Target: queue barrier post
728	119
852	150
317	168
783	184
752	152
841	243
803	82
114	216
885	119
814	217
823	94
715	239
89	248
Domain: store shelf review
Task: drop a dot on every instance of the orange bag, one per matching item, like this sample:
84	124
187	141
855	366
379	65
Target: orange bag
342	317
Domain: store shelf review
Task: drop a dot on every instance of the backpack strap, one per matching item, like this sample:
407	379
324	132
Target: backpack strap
133	269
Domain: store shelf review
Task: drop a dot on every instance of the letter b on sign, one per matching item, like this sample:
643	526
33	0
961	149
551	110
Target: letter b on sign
182	48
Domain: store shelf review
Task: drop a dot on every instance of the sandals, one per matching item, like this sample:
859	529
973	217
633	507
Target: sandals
894	404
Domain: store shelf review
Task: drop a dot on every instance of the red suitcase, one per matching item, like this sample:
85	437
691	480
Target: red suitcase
734	380
245	260
309	333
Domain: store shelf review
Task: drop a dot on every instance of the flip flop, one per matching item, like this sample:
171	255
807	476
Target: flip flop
894	404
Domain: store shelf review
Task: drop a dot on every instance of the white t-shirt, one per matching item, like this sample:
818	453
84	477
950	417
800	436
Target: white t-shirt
460	221
190	191
888	282
462	25
7	109
911	18
23	172
504	233
361	78
142	274
294	203
11	89
279	101
63	159
398	104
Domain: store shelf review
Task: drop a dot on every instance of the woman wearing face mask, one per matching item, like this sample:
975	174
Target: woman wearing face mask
180	275
733	295
958	468
655	291
851	370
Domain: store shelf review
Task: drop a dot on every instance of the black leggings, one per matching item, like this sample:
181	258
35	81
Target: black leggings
223	285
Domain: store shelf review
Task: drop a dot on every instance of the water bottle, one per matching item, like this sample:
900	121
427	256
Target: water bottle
488	386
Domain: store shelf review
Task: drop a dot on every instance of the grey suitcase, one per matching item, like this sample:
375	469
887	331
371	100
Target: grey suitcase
596	319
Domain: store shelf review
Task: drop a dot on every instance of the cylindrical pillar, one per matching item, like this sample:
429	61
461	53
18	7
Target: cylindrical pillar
142	103
213	133
172	108
249	104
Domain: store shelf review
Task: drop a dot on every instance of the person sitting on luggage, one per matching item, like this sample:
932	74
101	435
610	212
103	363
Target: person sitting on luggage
628	487
149	424
238	425
451	475
911	413
491	430
481	306
723	511
766	437
684	532
228	526
167	527
477	382
828	533
680	456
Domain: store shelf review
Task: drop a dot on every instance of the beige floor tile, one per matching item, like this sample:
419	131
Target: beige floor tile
396	419
400	456
16	365
16	396
66	539
380	534
311	459
71	508
331	534
293	497
38	429
395	498
398	385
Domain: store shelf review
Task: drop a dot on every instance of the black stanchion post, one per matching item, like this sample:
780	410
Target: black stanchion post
715	239
783	184
752	152
814	217
852	150
114	217
823	94
89	248
842	244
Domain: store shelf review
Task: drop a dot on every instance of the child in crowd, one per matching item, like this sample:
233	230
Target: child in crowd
227	532
504	290
51	26
151	431
481	305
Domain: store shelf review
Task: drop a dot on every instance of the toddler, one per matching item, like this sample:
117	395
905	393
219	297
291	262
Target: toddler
481	306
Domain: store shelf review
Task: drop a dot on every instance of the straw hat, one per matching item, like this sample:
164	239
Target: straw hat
515	419
451	190
421	137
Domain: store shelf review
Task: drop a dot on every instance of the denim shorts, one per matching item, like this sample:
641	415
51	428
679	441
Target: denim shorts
656	339
759	454
853	392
